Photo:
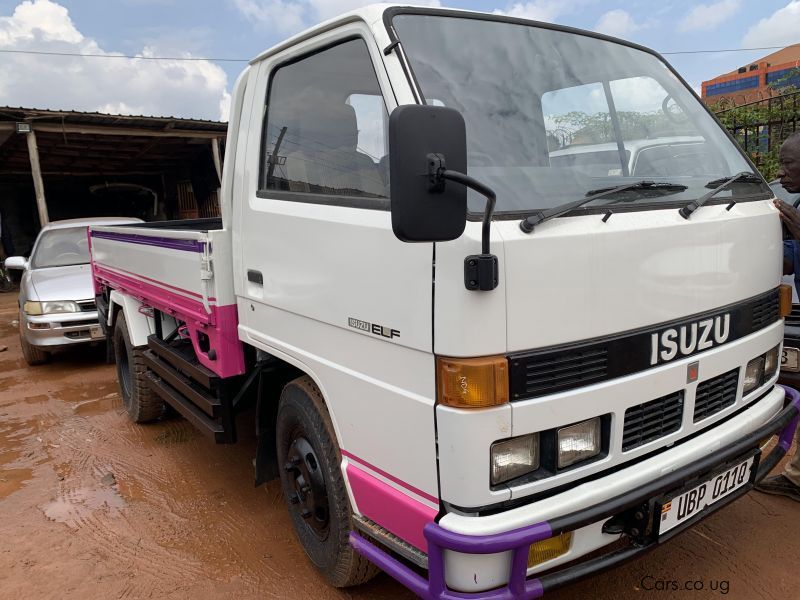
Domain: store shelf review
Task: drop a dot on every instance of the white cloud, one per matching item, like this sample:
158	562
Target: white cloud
291	16
618	23
119	85
782	28
705	17
326	9
279	14
539	10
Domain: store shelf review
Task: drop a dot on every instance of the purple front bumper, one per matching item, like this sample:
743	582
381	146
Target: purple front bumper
518	541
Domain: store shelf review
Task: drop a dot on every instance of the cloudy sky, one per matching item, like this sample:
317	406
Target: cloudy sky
240	29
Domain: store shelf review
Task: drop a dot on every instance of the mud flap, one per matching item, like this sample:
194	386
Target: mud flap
271	380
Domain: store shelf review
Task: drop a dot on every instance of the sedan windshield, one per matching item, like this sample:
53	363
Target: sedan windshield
60	248
552	115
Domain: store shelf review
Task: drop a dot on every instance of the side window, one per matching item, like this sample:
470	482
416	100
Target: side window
326	126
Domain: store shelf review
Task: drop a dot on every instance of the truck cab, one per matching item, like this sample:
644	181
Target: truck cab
474	363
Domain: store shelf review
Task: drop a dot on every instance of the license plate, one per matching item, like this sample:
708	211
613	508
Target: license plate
790	359
96	332
684	506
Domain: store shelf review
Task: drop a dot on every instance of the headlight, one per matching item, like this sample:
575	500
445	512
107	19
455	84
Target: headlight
51	307
772	360
753	374
578	442
32	308
514	458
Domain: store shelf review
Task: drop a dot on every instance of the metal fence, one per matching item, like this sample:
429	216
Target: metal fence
760	127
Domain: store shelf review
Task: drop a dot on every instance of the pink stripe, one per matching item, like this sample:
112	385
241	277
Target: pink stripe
392	478
221	326
389	507
160	283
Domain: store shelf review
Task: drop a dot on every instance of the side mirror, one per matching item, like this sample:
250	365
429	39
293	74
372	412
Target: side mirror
16	262
420	211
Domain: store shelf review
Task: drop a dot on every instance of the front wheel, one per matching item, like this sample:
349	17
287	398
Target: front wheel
313	486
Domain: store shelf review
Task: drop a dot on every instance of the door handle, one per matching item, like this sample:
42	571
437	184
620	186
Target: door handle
255	276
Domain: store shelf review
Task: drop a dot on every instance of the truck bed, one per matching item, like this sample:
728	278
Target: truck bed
184	270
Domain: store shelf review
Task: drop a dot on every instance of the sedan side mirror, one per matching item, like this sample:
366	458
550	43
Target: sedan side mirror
16	262
422	212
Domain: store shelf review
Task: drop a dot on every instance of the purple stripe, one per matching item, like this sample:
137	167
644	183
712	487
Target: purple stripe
488	544
146	240
434	587
786	436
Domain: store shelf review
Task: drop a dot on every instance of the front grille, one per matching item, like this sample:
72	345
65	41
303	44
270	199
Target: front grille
535	373
766	310
84	323
715	395
87	305
652	420
552	372
794	317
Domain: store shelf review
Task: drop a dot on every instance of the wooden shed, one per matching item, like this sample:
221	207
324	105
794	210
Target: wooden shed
64	164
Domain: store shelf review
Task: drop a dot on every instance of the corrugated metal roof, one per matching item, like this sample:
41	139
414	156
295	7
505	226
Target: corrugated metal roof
39	115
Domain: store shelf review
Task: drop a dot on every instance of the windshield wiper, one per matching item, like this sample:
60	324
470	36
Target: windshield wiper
529	223
722	184
743	177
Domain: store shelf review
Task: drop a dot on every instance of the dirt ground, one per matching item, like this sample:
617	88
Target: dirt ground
95	507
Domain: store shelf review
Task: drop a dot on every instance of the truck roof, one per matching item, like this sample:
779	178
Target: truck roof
372	15
369	14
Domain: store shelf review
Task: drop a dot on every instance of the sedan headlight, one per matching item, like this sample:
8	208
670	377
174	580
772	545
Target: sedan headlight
754	374
514	458
578	442
50	307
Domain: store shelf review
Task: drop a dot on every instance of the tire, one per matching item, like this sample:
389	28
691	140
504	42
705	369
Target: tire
141	404
33	355
308	456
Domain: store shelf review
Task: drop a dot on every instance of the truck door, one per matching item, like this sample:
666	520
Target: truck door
326	284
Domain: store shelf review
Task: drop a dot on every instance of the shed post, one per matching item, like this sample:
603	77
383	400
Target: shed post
38	182
217	161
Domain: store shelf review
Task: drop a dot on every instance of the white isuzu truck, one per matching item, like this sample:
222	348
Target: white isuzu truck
499	294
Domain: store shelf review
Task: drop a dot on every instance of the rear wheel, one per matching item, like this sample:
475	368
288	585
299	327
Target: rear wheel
313	486
140	402
33	355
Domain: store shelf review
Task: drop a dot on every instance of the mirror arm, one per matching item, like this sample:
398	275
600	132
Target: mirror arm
481	271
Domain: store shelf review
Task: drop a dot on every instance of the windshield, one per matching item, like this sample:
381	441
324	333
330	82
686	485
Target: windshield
60	248
551	115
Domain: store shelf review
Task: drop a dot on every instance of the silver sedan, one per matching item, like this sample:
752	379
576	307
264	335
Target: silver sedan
56	294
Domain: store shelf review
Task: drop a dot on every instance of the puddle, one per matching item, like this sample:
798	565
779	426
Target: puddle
12	480
38	399
86	391
95	407
75	507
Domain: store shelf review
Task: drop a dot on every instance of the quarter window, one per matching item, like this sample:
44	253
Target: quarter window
326	124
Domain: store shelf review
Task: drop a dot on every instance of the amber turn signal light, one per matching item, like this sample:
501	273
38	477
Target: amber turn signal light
473	382
785	295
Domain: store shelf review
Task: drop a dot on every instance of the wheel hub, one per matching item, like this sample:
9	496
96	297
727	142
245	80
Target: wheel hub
308	496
